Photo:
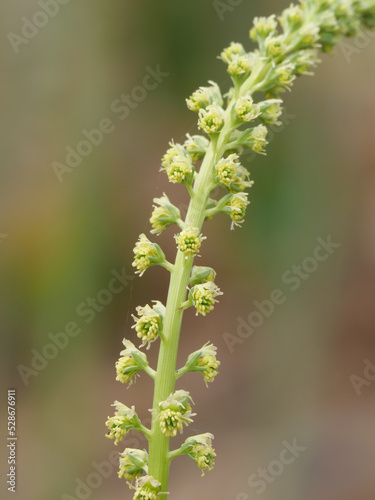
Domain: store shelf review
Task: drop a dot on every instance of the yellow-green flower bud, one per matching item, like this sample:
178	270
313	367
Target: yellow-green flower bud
199	99
133	463
180	169
263	26
309	35
132	361
211	119
274	46
179	400
200	274
124	420
126	368
146	254
149	323
258	138
231	174
204	361
271	109
232	204
175	412
164	215
205	96
210	365
148	488
303	61
201	451
196	146
170	422
174	150
246	109
189	241
291	18
284	74
227	169
237	205
160	219
203	297
234	49
240	65
282	77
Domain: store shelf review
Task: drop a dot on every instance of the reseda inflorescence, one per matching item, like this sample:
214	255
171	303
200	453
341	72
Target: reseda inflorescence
287	47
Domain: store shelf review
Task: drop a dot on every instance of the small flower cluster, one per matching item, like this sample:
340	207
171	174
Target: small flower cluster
205	96
147	488
287	47
236	207
124	420
231	174
147	254
210	365
131	362
149	323
239	62
189	241
196	146
253	138
204	360
203	297
232	204
164	215
211	119
245	108
133	463
175	412
178	165
270	111
305	28
208	102
200	449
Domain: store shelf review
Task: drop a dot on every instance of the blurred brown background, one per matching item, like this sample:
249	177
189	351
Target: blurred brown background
61	242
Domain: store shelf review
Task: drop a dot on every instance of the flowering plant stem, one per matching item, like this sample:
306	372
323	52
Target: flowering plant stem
280	58
166	371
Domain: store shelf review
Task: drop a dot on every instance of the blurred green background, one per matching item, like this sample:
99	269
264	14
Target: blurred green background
61	242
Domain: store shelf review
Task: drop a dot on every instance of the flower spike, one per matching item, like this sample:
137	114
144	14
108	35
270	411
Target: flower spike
286	47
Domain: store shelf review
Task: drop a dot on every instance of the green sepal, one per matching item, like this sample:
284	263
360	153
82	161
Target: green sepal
139	464
141	362
201	274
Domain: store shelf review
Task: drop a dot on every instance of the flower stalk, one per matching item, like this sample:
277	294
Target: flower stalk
288	47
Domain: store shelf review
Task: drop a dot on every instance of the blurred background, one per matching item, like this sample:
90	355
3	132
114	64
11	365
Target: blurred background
302	376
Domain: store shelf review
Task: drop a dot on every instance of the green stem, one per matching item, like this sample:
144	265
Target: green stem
165	378
175	453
